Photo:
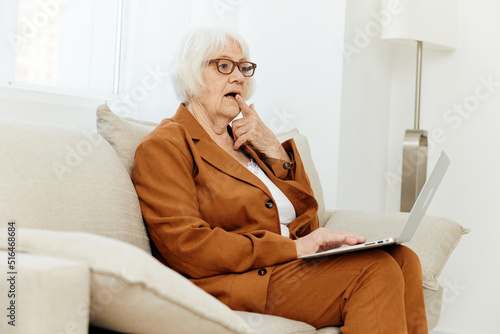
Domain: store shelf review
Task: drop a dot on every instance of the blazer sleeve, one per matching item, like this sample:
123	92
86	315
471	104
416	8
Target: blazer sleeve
288	170
163	175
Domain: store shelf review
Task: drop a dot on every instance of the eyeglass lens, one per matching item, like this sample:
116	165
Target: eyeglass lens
227	66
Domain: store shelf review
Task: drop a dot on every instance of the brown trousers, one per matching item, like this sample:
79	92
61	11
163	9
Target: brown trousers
373	291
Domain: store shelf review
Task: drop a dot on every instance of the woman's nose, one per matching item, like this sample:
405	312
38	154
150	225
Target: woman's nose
236	76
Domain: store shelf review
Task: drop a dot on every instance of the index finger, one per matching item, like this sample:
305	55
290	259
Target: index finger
245	109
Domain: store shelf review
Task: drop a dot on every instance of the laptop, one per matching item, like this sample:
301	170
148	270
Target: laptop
413	220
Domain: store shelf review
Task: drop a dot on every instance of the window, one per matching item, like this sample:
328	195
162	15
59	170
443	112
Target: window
68	45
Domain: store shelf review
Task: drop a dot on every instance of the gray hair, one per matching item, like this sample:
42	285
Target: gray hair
192	57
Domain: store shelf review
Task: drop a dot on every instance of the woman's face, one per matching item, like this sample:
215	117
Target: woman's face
218	97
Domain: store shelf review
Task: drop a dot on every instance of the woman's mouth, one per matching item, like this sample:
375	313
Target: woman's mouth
231	95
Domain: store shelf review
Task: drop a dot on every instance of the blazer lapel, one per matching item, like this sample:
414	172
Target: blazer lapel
213	154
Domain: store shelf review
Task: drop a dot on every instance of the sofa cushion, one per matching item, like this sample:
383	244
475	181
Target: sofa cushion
69	179
125	134
131	291
434	240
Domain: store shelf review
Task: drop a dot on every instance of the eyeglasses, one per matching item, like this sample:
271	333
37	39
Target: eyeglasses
226	66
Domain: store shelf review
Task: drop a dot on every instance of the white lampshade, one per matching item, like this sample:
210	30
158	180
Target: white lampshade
434	22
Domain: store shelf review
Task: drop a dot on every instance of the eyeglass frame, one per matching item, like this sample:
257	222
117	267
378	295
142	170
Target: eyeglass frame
236	64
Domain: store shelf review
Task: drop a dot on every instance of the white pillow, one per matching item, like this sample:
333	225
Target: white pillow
131	291
124	134
66	178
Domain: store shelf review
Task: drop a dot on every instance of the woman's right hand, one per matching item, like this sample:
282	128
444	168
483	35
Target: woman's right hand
324	239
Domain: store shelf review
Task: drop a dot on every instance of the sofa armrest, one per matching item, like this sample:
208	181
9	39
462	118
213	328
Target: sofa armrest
45	294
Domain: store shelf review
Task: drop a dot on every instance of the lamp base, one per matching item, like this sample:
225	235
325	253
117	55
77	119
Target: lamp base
414	172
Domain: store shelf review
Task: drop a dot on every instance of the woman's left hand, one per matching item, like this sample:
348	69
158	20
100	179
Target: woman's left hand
250	130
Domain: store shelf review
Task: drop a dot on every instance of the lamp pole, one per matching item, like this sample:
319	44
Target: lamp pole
418	85
414	170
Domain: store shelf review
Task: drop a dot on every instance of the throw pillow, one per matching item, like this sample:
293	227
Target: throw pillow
65	178
124	134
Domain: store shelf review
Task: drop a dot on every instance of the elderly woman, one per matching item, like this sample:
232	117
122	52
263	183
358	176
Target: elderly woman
231	208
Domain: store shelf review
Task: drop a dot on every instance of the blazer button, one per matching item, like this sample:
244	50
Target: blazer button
262	271
269	204
287	165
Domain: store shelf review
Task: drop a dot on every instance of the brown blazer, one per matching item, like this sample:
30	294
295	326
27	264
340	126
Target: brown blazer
213	220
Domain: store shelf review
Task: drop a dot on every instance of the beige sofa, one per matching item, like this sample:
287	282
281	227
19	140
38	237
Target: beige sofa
79	252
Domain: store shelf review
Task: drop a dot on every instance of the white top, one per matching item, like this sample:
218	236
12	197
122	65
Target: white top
285	208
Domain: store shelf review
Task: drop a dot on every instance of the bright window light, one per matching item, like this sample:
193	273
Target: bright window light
69	45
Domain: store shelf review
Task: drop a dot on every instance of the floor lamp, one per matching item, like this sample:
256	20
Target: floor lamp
417	23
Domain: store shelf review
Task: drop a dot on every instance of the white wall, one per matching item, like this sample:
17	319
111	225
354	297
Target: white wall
377	107
470	192
364	126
